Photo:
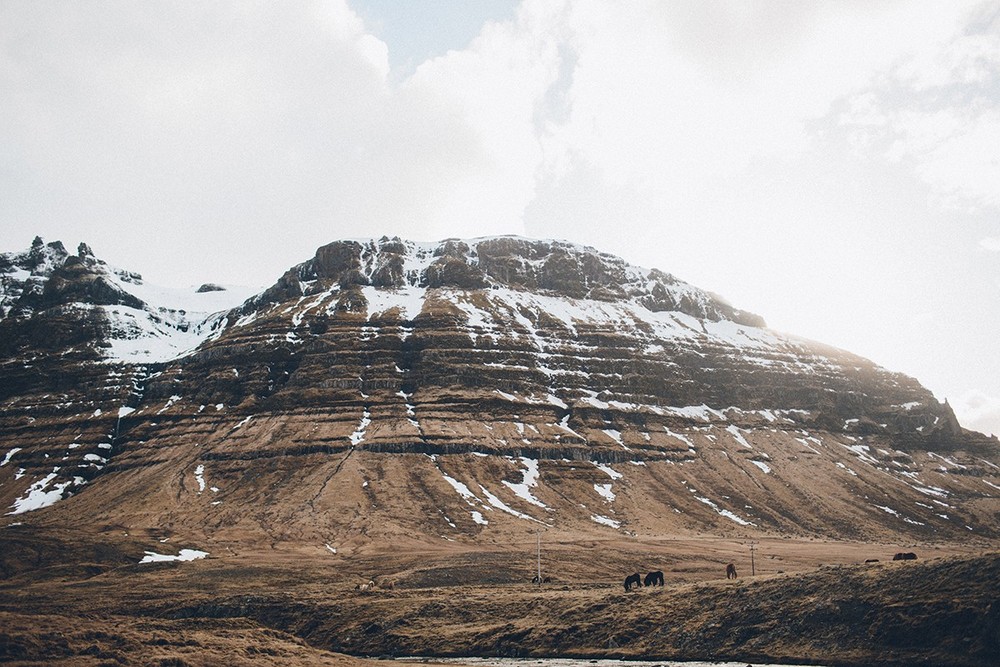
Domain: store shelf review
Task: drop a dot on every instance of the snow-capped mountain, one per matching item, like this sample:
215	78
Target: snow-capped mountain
132	321
461	389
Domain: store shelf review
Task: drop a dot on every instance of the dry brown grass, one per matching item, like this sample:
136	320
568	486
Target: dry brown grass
84	600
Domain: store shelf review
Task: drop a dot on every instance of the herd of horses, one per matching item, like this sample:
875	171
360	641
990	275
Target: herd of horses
655	578
636	580
902	555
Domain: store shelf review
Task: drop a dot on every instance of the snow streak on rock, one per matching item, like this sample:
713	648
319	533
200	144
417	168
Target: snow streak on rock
529	481
359	433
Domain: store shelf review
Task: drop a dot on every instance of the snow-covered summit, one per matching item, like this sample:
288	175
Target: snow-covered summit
137	322
547	267
509	359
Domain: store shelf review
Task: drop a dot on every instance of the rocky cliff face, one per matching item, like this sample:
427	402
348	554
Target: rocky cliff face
470	390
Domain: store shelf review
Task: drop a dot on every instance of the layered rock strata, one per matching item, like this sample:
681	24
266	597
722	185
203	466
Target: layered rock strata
386	389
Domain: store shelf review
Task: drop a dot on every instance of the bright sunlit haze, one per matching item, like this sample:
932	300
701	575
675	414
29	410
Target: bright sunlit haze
830	166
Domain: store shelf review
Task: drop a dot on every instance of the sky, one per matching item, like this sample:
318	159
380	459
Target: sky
834	167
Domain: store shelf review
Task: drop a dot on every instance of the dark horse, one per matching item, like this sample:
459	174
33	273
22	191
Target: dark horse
633	579
731	572
653	579
909	555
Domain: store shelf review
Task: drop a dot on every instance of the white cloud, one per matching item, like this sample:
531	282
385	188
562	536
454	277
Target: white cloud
150	126
494	86
979	412
223	126
952	151
990	244
938	112
968	57
710	88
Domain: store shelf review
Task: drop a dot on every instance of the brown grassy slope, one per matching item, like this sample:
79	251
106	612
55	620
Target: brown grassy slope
83	641
940	611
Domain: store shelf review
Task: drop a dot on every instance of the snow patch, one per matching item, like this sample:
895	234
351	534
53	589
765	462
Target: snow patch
564	425
184	555
844	467
734	431
863	452
359	433
499	504
407	301
170	402
615	435
529	480
604	490
701	412
461	488
608	470
683	438
722	512
605	521
244	422
38	495
889	510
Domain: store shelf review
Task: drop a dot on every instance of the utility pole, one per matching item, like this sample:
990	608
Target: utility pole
538	555
753	569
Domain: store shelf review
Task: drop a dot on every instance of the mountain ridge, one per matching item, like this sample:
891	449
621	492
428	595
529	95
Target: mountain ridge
220	467
502	359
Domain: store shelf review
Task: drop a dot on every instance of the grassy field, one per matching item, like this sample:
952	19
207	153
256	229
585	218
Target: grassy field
78	599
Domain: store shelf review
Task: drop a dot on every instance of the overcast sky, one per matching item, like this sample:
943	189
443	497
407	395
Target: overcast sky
834	167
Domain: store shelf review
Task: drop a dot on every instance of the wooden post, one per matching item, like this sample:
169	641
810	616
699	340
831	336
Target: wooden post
538	555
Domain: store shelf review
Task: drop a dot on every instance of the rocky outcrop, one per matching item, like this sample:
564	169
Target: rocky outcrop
553	267
47	276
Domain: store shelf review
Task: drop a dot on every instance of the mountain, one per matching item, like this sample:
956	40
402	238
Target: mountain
468	389
195	473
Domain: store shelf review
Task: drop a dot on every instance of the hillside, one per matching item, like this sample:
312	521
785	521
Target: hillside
424	411
463	389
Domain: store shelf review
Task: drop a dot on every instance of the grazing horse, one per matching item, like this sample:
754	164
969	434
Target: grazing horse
653	579
731	572
633	579
909	555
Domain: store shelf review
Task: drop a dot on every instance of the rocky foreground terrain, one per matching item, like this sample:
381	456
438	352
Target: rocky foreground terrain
425	415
